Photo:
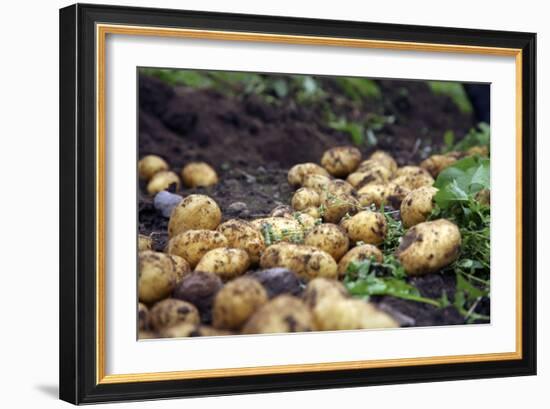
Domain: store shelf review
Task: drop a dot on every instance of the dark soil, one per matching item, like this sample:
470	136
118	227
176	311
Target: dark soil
252	144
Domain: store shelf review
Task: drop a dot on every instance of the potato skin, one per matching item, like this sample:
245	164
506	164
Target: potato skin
226	262
337	314
429	246
243	235
306	261
181	267
236	302
366	226
335	207
478	150
297	173
193	244
413	177
195	212
385	159
284	313
341	160
283	229
417	206
163	180
199	288
374	174
372	194
179	330
316	182
330	238
320	288
304	198
149	165
358	254
196	174
395	194
143	317
144	242
281	211
436	163
171	311
277	281
156	276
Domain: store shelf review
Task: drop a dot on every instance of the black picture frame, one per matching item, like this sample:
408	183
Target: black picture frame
78	360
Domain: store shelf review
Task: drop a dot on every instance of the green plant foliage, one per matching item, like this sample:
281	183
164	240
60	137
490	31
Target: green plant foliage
455	91
478	136
359	88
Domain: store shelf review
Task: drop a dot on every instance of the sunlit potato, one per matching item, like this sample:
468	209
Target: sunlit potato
243	235
385	159
304	198
163	180
277	229
320	288
305	220
226	262
197	174
194	212
298	173
192	245
156	276
144	242
367	226
330	238
181	267
150	165
429	246
341	160
417	206
374	174
357	255
316	182
171	311
372	194
412	177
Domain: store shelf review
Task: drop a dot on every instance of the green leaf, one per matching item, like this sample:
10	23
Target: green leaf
455	91
449	139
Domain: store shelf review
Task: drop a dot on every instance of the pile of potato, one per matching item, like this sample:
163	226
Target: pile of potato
283	273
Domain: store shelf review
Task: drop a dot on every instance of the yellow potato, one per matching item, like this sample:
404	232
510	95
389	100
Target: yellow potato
149	165
334	207
236	302
337	314
156	276
281	211
143	317
242	234
196	174
341	161
376	174
297	173
146	334
226	262
358	254
329	238
195	212
385	159
181	267
413	177
144	242
305	220
171	311
192	245
478	150
372	194
304	198
316	182
277	229
366	226
395	194
320	288
417	205
305	261
429	246
180	330
436	163
163	180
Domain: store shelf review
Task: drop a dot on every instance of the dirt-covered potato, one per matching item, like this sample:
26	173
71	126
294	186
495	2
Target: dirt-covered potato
277	281
395	194
306	261
199	288
375	173
163	180
478	150
334	207
372	194
366	226
341	160
284	313
436	163
305	220
181	267
192	245
281	211
180	330
236	302
195	212
146	334
412	177
338	187
297	173
417	205
196	174
429	246
321	288
329	238
144	242
143	317
243	235
305	197
150	165
483	196
314	212
276	229
385	159
358	254
156	276
171	311
207	331
316	182
226	262
337	313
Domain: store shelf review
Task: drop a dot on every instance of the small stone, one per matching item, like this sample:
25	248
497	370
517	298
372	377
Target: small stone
236	208
165	201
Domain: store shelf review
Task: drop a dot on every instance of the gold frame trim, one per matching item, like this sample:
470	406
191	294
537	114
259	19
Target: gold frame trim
102	30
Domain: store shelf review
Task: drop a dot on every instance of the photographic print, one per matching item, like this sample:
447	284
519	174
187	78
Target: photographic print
276	203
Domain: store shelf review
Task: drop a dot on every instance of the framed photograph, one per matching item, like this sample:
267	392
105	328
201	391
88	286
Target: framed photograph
257	203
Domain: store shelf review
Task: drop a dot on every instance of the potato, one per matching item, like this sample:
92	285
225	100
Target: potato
199	288
150	165
429	246
284	313
243	235
207	331
339	187
478	150
195	212
341	161
318	183
196	174
484	196
306	261
276	229
436	163
304	198
395	194
375	173
277	281
156	276
417	206
143	317
236	302
180	330
372	194
329	238
314	212
413	177
305	220
366	226
144	242
226	262
192	245
335	207
297	173
171	311
181	267
336	314
282	211
321	288
163	180
385	159
146	334
358	254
